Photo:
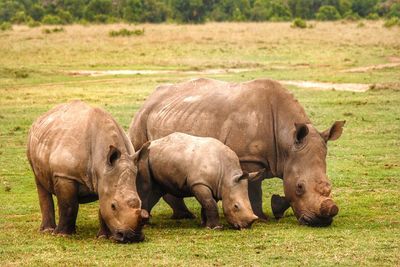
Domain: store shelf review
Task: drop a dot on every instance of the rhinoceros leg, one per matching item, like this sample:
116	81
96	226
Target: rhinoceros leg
67	197
179	207
209	207
103	232
47	209
255	196
279	205
151	200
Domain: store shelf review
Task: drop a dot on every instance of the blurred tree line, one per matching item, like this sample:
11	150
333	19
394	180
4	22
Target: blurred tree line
191	11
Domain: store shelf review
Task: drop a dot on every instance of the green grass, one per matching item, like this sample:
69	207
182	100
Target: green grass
364	164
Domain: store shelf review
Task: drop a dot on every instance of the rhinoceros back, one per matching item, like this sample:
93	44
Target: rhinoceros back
243	116
179	161
201	107
58	143
70	140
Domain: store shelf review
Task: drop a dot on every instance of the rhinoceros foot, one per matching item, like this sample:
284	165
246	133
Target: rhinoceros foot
215	227
64	231
47	230
103	234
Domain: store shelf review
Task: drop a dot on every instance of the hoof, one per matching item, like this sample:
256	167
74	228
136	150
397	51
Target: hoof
48	230
102	237
185	215
103	233
62	232
217	227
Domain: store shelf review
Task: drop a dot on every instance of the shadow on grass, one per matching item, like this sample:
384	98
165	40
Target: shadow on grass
163	221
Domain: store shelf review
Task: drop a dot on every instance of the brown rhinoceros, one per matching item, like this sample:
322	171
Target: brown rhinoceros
80	154
263	124
184	165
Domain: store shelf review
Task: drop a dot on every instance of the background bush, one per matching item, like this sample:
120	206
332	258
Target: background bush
125	32
5	26
328	13
51	20
299	23
392	22
191	11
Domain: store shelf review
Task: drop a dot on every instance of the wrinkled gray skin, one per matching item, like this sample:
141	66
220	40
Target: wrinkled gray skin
80	154
263	124
185	165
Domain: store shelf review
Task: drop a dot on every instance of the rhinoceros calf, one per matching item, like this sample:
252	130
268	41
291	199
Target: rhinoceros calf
185	165
80	154
263	124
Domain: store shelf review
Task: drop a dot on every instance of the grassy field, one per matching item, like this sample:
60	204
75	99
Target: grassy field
364	164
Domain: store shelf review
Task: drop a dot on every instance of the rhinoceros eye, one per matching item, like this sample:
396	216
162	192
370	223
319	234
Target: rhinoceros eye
300	188
113	206
134	203
236	207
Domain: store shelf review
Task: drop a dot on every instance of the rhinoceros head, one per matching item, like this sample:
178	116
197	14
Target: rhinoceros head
235	200
120	205
306	184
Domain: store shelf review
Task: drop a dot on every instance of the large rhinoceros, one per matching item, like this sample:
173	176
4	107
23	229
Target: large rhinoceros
80	154
263	123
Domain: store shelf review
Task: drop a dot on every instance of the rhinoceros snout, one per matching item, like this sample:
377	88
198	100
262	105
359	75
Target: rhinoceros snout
327	211
328	208
315	221
255	218
246	224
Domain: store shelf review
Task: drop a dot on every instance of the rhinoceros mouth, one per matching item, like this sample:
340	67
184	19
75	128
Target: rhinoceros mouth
314	220
242	226
246	224
130	236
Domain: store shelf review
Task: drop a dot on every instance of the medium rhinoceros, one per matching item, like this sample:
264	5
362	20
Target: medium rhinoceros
263	123
80	154
185	165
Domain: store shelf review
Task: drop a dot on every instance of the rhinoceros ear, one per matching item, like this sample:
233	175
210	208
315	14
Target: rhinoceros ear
113	155
301	132
141	152
334	132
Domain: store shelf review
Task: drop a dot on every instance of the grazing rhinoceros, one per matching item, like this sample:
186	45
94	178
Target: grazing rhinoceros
259	120
184	165
80	154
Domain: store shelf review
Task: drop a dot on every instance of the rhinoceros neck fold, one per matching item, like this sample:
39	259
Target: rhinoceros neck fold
285	113
273	161
109	134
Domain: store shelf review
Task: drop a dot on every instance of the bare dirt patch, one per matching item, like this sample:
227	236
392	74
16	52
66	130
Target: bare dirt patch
373	67
95	73
386	86
394	61
353	87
